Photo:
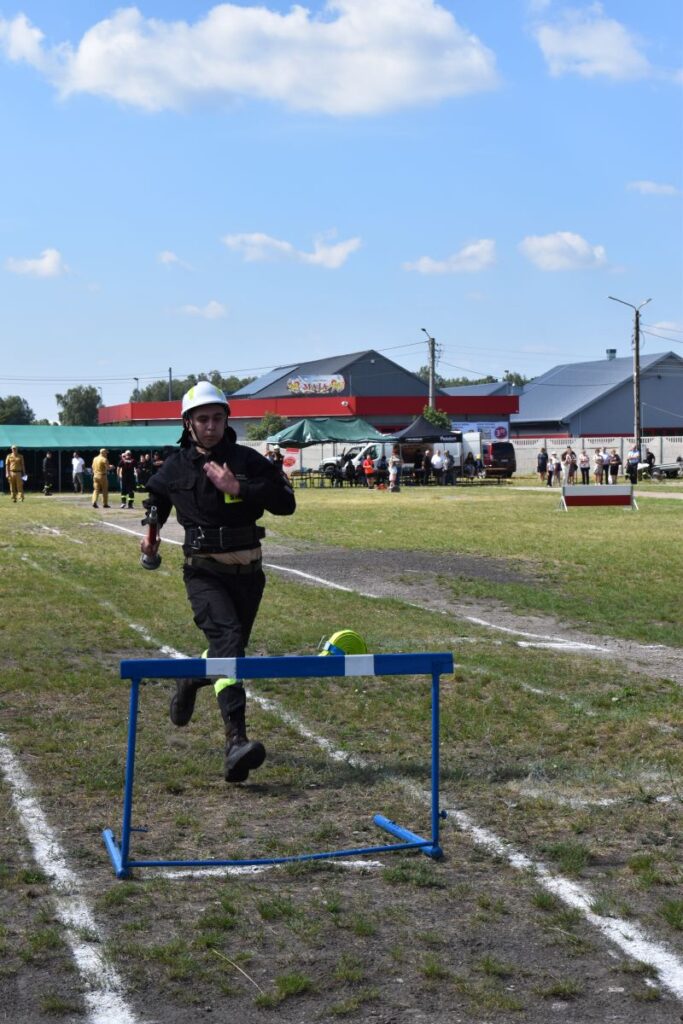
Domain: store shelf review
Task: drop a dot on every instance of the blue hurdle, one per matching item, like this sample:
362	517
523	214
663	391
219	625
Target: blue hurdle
290	667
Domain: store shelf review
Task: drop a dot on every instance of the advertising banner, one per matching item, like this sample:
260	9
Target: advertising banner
320	384
490	431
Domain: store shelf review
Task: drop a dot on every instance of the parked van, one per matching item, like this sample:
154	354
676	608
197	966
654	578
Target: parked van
499	458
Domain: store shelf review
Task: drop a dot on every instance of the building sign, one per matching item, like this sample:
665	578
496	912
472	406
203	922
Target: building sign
320	384
490	431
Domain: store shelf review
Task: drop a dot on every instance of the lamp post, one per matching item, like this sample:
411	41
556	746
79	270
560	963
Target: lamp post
431	343
636	368
136	393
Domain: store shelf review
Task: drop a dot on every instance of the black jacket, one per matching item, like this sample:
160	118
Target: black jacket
182	483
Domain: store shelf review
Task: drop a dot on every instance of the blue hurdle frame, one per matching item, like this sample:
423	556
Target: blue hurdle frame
290	667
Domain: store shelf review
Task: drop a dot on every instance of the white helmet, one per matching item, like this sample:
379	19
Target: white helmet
203	393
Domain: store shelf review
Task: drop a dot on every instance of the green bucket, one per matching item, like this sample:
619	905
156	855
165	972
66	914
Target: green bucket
345	641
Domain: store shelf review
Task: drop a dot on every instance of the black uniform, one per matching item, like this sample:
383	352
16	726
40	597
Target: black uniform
224	597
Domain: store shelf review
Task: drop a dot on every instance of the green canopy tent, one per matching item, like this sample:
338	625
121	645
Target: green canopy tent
326	430
34	440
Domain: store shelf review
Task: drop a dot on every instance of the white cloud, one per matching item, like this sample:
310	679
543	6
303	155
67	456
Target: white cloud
586	43
672	326
169	259
48	264
257	247
471	258
354	57
562	251
211	311
653	188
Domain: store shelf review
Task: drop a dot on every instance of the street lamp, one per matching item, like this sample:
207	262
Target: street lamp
636	367
137	389
431	343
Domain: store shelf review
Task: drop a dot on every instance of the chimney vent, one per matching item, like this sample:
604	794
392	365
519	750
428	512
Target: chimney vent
611	353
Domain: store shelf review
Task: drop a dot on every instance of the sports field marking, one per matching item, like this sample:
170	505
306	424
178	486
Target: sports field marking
58	533
627	936
103	986
624	934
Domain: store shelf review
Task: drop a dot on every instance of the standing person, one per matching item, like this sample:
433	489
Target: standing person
605	465
48	474
100	479
126	474
77	468
369	471
395	465
144	470
219	490
632	460
557	469
448	466
437	466
585	467
426	466
597	465
418	469
15	471
542	465
614	463
551	469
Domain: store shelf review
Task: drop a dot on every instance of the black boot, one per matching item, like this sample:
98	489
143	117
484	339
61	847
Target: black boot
182	701
242	755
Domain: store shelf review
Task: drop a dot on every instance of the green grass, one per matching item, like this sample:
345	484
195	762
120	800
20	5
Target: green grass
565	553
595	729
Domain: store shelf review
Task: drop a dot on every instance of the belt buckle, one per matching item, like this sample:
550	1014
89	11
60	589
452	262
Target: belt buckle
197	539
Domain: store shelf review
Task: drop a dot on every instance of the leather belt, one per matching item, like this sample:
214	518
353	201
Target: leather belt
223	538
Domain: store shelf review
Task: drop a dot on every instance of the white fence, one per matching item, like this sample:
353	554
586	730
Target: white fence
665	449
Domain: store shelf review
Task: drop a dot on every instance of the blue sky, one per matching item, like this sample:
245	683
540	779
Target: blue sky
239	186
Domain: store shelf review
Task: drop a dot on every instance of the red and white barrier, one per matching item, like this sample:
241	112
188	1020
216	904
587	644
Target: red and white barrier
589	494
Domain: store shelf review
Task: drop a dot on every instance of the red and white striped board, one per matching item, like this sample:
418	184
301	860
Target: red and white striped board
589	494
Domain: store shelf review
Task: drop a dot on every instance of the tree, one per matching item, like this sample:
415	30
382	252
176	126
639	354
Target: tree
516	378
157	391
453	382
459	382
14	409
79	406
270	424
437	417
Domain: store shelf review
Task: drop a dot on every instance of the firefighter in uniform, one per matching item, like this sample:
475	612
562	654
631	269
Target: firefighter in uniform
15	471
219	490
100	479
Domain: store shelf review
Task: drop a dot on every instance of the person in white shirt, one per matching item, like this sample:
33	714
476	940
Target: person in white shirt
77	467
606	459
437	466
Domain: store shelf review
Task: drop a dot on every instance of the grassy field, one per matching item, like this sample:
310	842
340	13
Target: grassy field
572	760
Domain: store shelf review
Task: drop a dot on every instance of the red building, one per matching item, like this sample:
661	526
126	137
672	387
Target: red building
364	384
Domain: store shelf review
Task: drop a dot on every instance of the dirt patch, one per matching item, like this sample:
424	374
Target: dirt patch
426	580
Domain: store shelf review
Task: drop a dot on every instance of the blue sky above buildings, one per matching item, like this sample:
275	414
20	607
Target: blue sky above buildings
240	186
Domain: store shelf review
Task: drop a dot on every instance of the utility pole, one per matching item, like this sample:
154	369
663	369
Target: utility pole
637	425
431	343
170	384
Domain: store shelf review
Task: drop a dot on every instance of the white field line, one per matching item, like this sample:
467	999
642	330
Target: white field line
624	934
58	533
103	986
627	936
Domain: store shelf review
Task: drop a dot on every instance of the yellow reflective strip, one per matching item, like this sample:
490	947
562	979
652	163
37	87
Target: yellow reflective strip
222	684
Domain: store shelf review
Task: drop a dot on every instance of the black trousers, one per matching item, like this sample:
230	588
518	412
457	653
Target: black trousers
225	606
